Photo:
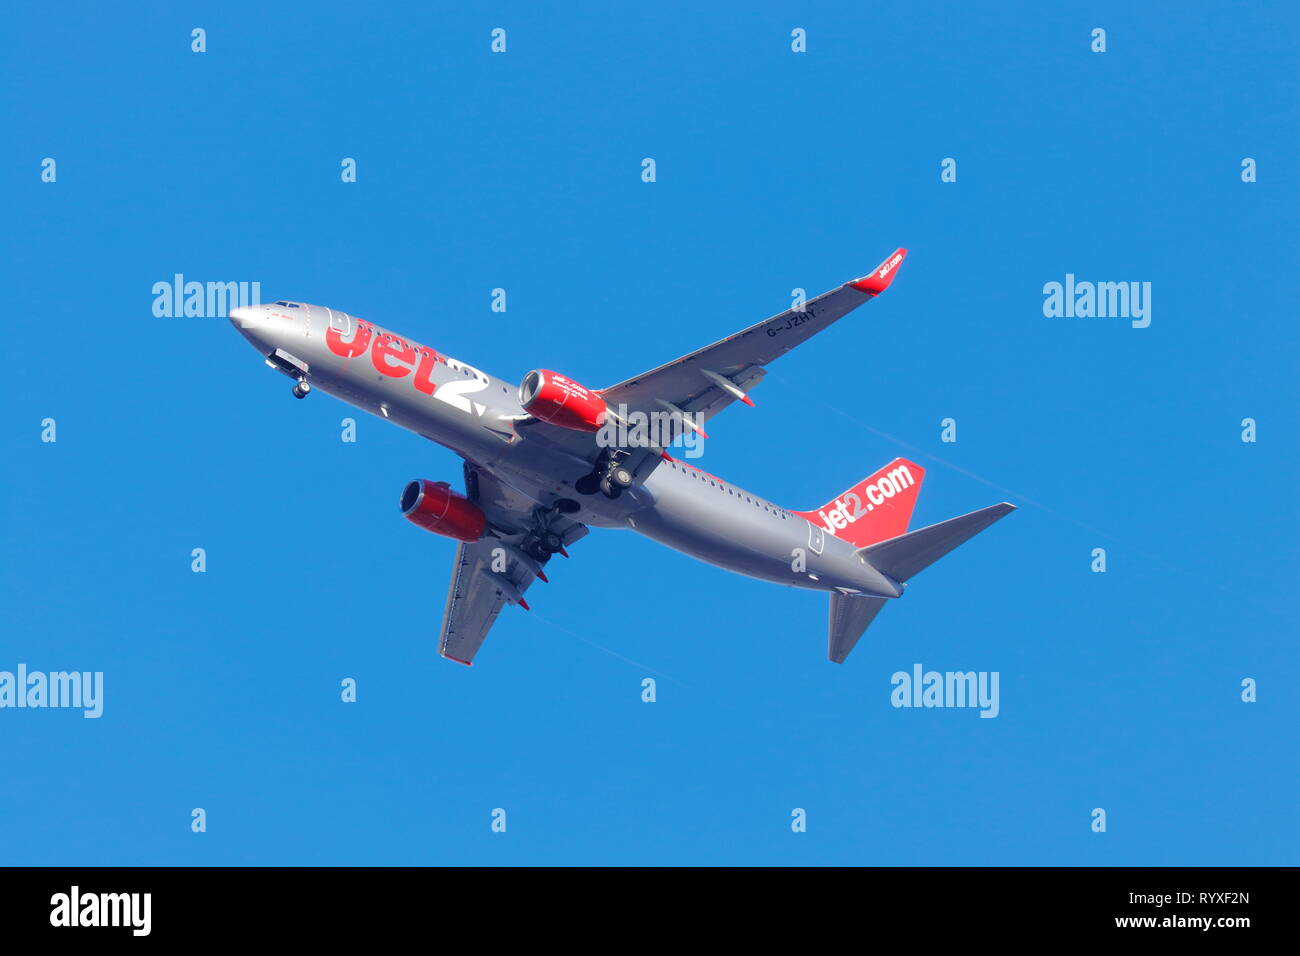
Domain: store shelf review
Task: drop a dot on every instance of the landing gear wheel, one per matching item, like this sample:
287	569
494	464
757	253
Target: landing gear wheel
536	550
609	477
552	542
301	389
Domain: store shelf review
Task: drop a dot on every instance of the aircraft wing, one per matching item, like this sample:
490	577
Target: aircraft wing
475	598
493	571
708	380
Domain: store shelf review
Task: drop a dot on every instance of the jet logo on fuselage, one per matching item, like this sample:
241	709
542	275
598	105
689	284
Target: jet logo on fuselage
396	358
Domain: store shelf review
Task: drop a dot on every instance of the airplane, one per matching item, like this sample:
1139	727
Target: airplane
548	459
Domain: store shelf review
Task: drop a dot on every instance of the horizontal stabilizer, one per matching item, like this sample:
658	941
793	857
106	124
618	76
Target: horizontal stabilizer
850	616
910	554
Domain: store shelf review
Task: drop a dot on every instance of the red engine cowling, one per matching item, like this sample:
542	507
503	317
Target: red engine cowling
435	507
561	401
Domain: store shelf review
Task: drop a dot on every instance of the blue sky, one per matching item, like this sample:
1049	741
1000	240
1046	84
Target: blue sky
775	170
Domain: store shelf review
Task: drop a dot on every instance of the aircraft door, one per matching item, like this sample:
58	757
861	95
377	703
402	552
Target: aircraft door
816	538
341	323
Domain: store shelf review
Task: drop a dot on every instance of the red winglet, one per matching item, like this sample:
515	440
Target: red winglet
458	660
877	281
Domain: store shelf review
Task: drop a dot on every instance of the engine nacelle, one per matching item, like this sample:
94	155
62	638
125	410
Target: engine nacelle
561	401
435	507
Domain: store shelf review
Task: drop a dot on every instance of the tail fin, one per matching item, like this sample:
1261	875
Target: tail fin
875	509
901	558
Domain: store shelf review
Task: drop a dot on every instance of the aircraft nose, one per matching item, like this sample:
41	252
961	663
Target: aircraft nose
244	317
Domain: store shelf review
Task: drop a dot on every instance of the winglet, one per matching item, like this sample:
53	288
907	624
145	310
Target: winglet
877	281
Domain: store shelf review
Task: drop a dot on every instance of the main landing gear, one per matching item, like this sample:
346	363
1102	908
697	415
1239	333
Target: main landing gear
540	545
541	542
301	389
610	477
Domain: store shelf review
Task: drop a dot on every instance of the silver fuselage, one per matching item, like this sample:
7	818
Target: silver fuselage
479	417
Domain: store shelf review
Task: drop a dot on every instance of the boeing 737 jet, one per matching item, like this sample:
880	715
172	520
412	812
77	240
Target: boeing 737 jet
548	459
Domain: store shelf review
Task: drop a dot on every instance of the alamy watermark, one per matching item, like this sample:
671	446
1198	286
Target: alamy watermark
1072	299
37	689
75	908
202	300
922	688
637	429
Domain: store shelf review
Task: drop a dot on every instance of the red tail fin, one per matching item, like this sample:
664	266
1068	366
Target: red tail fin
875	509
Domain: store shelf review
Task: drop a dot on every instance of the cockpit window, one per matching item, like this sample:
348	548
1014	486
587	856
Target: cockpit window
292	305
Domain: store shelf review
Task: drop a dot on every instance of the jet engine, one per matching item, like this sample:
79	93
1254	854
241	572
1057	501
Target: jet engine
435	507
561	401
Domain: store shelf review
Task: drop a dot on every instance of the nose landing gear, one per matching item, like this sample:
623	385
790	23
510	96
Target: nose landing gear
294	367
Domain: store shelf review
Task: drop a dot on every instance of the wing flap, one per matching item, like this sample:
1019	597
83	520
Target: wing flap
473	603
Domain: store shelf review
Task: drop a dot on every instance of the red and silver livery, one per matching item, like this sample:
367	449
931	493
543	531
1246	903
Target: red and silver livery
550	458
